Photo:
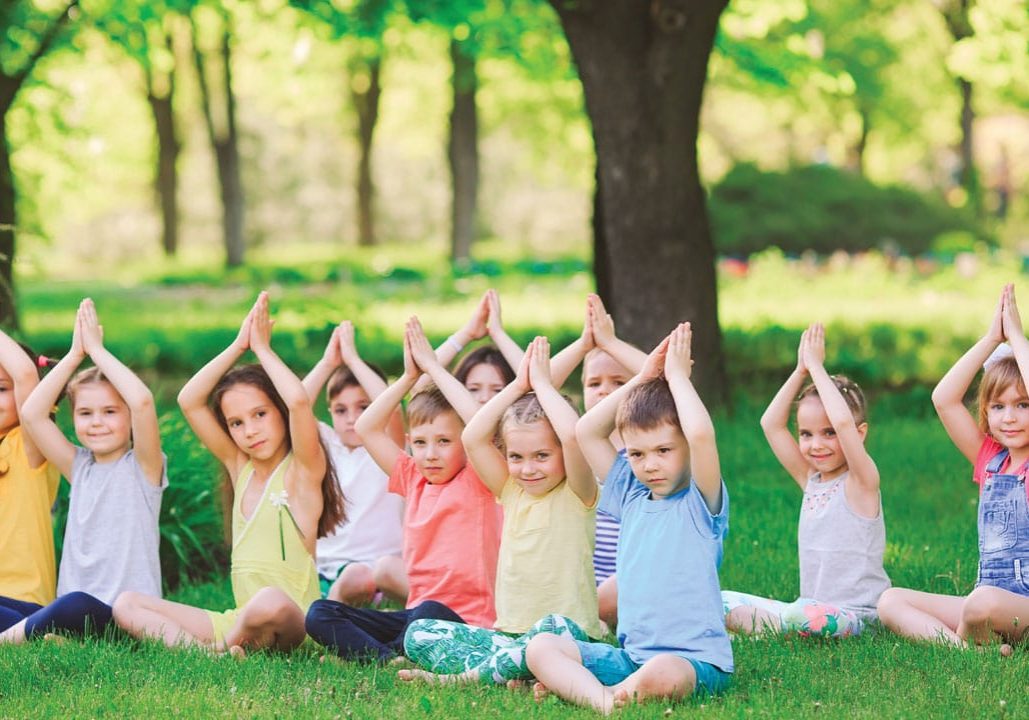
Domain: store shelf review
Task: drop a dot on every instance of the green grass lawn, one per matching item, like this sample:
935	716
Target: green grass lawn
895	329
930	513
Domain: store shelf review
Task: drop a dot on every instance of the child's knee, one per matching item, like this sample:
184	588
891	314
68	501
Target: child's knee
981	606
270	606
126	606
890	602
547	645
666	676
355	584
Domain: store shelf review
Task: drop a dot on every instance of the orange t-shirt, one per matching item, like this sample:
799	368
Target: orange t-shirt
451	538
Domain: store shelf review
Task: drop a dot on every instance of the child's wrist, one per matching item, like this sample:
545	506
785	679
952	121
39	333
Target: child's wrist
457	341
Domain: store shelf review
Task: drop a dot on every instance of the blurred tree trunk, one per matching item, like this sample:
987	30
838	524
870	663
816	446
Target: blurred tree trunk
463	154
220	119
365	92
10	83
643	66
166	180
955	14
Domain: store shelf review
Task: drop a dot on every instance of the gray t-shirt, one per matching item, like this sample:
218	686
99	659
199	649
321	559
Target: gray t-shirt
841	552
111	540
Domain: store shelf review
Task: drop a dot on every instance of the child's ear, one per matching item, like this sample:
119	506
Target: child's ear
863	431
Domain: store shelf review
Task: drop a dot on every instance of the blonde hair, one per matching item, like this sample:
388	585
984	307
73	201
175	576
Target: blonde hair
999	376
850	391
89	376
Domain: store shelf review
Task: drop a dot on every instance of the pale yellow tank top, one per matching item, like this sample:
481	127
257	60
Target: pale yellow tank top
259	544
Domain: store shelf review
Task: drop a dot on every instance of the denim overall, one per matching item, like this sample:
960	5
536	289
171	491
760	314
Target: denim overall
1004	528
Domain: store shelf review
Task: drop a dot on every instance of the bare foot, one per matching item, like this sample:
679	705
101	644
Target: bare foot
515	685
55	639
409	675
539	691
399	660
237	652
1006	650
621	699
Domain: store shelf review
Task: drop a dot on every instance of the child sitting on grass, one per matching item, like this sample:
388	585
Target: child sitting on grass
673	507
841	536
117	479
451	522
361	559
549	496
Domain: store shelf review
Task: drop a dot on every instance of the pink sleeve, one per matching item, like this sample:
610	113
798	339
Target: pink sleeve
403	472
987	450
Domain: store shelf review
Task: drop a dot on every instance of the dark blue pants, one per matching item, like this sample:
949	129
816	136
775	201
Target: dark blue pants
76	613
363	634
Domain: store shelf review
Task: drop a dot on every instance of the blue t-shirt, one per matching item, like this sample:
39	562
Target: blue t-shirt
669	600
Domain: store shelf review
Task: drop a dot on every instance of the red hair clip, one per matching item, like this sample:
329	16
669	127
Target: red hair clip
42	361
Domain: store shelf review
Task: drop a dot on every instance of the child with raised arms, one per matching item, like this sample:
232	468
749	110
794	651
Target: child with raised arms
996	442
360	560
261	427
673	507
117	478
549	496
486	370
451	522
28	488
841	535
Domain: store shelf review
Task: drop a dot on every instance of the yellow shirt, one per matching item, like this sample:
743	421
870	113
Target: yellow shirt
546	560
27	568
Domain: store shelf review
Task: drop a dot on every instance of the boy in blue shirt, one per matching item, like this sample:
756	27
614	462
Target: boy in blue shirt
668	494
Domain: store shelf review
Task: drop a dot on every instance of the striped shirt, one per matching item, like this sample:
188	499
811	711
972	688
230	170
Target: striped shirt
606	547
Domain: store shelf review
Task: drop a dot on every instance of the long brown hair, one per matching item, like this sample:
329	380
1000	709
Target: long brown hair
254	375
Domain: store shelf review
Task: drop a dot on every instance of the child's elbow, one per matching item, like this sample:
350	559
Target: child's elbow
144	402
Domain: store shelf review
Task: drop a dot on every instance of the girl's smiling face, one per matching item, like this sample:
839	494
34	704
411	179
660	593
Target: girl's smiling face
1008	417
534	458
102	421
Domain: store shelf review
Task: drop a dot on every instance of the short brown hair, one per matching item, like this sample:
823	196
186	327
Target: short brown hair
649	405
427	405
89	376
850	391
998	377
343	377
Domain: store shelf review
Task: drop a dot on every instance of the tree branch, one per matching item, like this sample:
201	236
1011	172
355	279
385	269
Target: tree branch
44	46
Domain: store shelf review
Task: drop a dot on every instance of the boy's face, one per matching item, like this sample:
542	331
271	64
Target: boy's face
436	447
346	407
659	457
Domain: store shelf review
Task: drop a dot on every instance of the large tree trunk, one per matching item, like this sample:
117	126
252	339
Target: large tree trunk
166	181
955	14
643	66
366	101
8	223
463	153
10	83
225	143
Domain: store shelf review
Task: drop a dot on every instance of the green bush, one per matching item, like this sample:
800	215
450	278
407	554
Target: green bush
824	209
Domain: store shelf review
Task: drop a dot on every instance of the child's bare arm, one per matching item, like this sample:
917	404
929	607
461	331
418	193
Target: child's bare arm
776	419
563	364
421	352
373	425
495	327
602	328
949	394
860	464
1014	334
563	418
594	429
331	359
25	377
146	433
694	418
193	401
489	462
308	452
370	381
35	413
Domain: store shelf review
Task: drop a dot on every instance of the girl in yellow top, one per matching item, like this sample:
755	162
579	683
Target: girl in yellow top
545	567
261	426
28	487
